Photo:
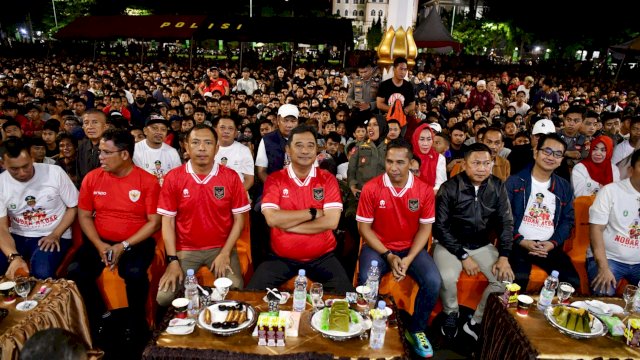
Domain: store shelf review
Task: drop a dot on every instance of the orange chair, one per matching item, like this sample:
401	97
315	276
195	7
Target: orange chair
243	247
76	242
576	246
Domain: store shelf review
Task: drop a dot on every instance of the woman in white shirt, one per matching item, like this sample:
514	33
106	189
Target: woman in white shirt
433	168
595	171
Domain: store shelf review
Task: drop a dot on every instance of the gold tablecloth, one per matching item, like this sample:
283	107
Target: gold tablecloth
62	308
202	344
510	336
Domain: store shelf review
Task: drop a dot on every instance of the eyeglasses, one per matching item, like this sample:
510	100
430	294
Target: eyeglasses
558	154
108	153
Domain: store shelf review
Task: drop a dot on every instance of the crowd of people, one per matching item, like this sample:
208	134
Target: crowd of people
486	164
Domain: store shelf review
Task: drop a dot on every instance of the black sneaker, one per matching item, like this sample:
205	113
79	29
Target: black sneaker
450	326
472	329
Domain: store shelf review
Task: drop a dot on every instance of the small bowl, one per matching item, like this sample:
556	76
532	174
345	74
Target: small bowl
8	291
181	305
223	282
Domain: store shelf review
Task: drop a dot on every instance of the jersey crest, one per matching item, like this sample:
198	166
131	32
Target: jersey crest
218	192
318	194
134	195
414	204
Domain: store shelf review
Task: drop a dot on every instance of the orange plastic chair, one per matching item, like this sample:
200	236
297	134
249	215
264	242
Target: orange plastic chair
243	247
576	246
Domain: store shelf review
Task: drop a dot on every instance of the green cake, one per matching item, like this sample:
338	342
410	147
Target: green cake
339	316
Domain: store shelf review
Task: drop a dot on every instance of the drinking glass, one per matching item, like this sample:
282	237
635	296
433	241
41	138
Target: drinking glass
222	285
316	293
23	287
628	295
564	292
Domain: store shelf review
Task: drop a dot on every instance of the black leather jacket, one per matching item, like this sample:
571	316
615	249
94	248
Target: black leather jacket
467	220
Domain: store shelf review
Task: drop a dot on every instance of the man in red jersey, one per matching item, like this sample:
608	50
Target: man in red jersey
201	204
302	205
397	200
117	213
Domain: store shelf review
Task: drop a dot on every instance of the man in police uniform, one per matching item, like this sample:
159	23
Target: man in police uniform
362	95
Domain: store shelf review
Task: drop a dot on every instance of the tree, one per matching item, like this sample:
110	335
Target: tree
66	12
374	35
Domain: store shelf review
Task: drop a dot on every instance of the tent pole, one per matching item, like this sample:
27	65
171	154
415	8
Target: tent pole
191	53
292	57
344	55
615	80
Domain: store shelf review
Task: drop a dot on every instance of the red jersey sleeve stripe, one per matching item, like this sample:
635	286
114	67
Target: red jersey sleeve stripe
333	205
241	210
363	219
167	212
269	206
428	221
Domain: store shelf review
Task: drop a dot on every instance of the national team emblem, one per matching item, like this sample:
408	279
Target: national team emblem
625	213
134	195
218	192
382	204
414	204
185	192
318	194
285	192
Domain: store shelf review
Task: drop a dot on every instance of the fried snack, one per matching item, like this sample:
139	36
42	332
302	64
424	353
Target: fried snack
207	316
242	317
230	315
236	315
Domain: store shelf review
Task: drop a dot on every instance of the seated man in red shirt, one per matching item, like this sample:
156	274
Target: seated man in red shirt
117	212
302	205
397	200
201	204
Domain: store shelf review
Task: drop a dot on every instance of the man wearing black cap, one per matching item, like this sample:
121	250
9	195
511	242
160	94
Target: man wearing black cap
152	154
246	84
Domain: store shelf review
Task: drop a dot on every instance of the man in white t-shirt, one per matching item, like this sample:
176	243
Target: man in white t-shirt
623	151
40	202
614	219
152	154
542	206
231	153
520	104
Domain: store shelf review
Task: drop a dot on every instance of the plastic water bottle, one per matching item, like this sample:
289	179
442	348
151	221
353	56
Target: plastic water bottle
373	281
300	291
191	293
548	290
379	326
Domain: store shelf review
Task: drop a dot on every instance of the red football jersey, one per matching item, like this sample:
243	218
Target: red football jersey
283	190
203	206
121	205
396	213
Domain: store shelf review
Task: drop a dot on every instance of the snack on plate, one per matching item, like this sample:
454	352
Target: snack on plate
207	316
632	333
339	317
615	325
578	320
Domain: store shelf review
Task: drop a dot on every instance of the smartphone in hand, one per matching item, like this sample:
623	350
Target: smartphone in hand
110	256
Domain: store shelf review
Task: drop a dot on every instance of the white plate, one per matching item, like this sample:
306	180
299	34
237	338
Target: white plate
354	329
27	305
612	308
597	327
285	297
220	316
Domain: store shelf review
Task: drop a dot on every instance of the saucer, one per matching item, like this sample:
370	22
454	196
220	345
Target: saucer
27	305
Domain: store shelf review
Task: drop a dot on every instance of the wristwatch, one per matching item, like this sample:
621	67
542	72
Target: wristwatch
171	258
126	246
385	254
313	212
12	257
463	256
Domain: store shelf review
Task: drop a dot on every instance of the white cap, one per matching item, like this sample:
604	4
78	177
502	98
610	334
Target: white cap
208	94
544	126
436	127
481	82
288	110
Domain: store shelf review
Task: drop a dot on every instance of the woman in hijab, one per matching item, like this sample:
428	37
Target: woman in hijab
433	167
595	171
367	161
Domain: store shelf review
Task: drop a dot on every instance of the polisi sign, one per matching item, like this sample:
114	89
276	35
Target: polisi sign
206	25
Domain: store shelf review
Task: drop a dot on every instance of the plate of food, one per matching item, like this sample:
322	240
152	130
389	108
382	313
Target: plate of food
598	307
338	322
227	317
575	322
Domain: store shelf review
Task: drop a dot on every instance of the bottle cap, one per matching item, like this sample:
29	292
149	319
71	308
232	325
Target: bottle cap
374	262
190	272
555	273
301	272
382	304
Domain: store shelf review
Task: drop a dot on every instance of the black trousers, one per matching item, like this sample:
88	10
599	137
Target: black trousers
132	267
327	270
557	259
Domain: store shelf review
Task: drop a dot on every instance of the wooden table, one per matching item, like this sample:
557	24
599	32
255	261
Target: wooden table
202	344
62	308
507	335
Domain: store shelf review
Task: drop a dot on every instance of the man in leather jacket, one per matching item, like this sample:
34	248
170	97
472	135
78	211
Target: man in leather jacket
470	208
